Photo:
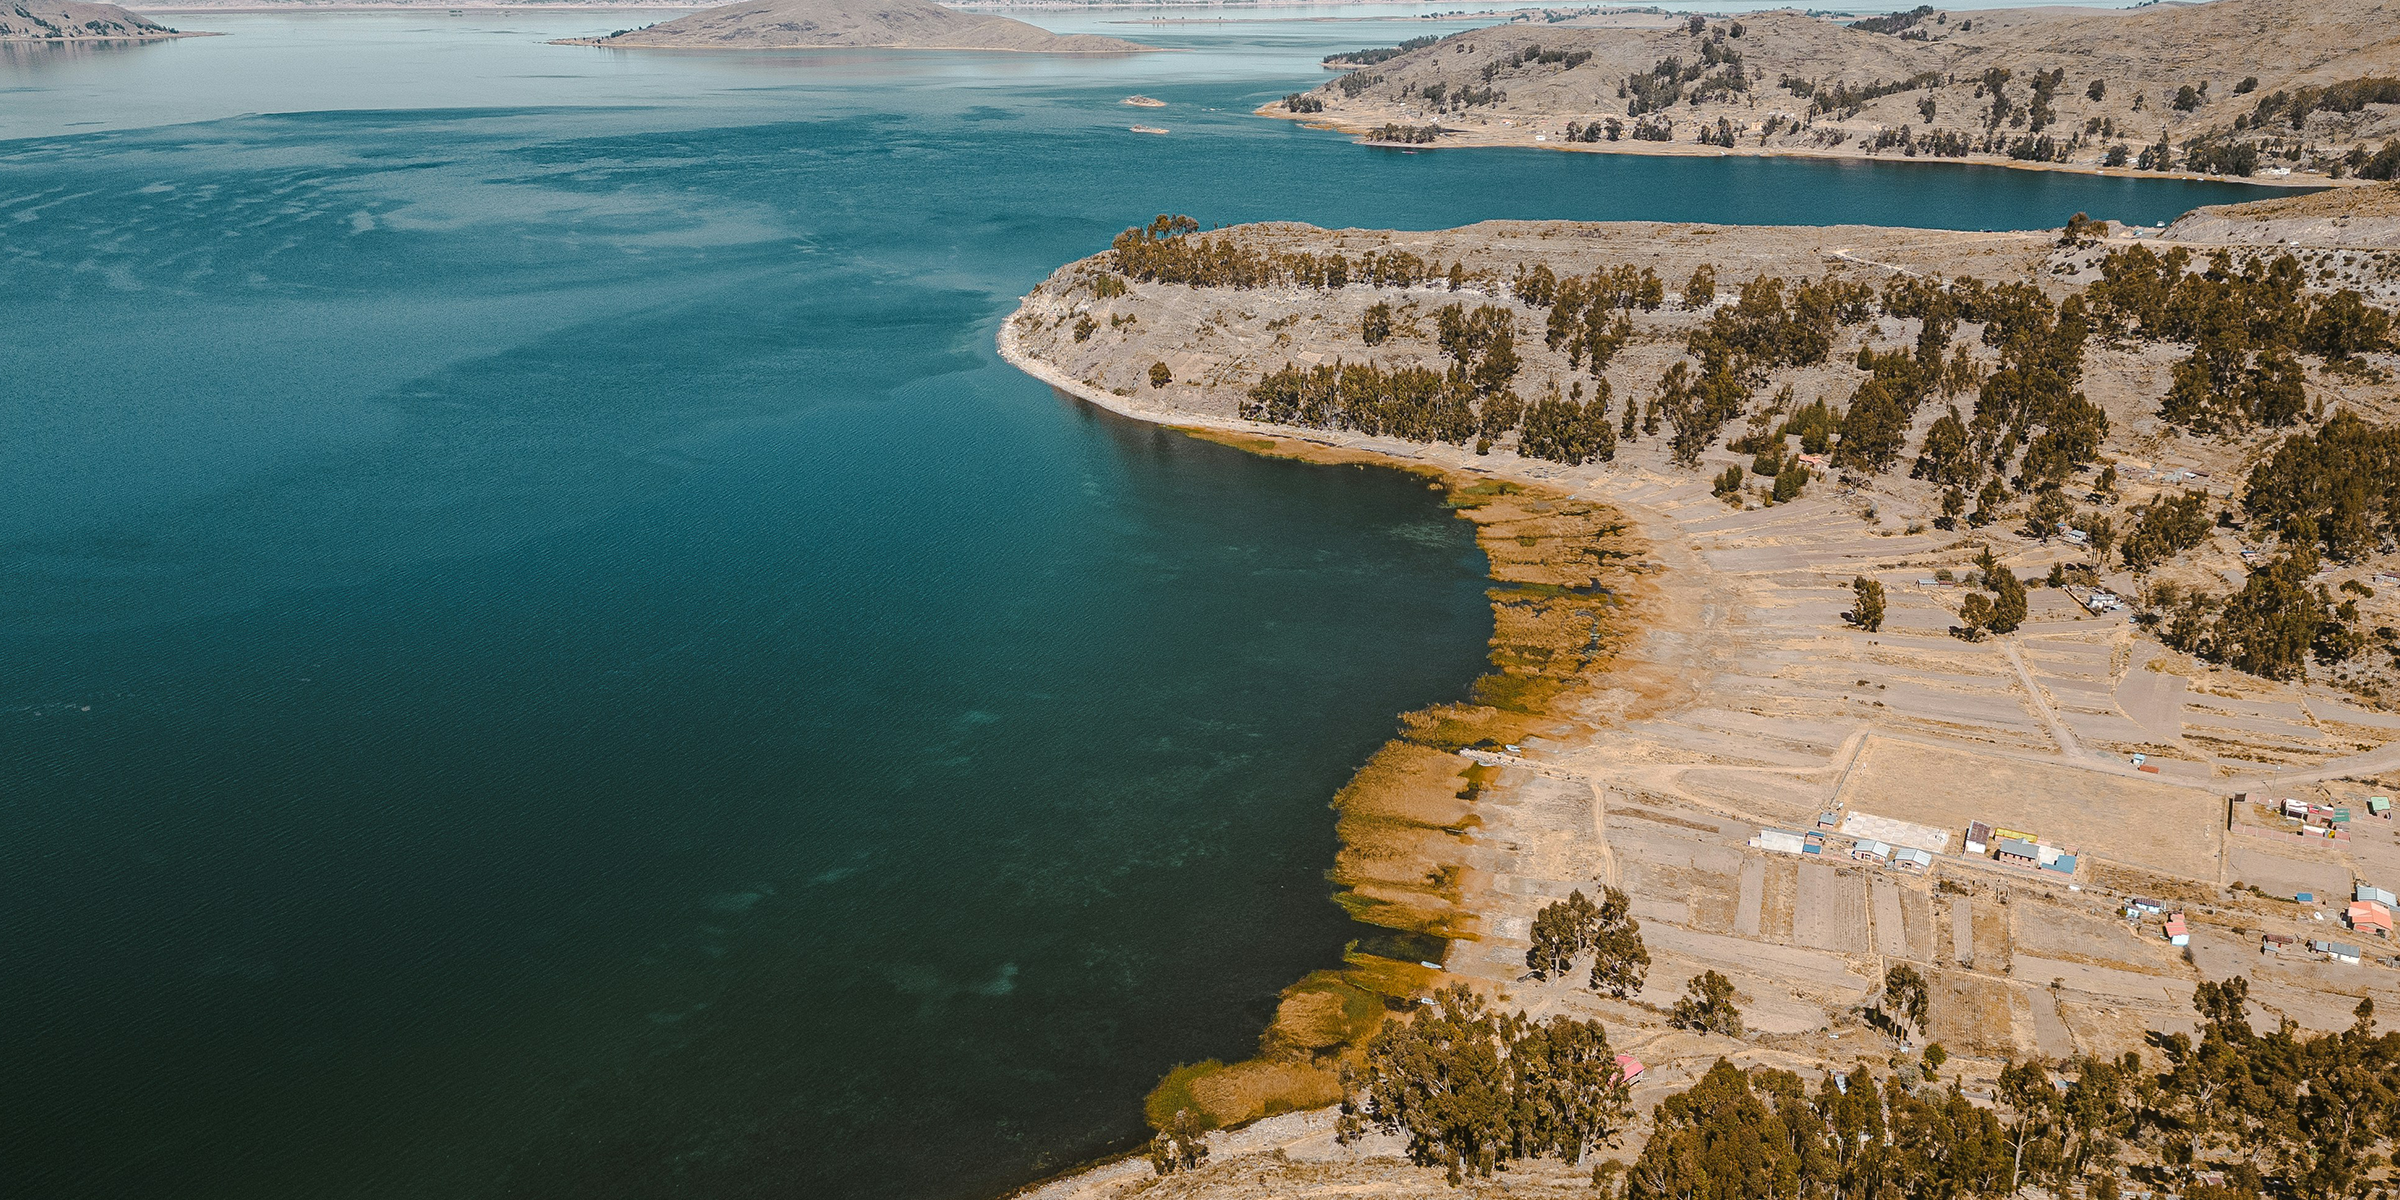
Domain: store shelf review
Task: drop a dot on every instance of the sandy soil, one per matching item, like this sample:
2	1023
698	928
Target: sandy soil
1739	699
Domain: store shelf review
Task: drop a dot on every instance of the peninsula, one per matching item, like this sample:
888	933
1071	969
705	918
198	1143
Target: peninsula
2268	90
1939	680
852	25
62	21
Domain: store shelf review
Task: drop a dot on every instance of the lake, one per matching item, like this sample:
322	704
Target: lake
543	654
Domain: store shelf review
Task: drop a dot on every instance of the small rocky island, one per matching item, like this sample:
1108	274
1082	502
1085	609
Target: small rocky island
853	25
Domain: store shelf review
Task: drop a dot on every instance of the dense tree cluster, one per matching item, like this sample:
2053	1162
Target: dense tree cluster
2230	1115
2337	488
1407	135
1845	100
1566	930
2242	326
1406	402
1379	54
1171	250
2165	527
1471	1088
1568	429
2348	96
1739	1135
1896	22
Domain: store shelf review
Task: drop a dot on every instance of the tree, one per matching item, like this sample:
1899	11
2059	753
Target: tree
1620	962
1947	455
1866	610
2008	596
1707	1006
1904	990
1988	503
1561	932
1974	615
1160	376
1375	327
1701	290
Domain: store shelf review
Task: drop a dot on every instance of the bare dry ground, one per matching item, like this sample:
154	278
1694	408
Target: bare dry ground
2361	218
1737	698
2141	58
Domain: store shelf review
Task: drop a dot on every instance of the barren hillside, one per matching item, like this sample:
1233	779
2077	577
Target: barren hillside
70	21
857	24
2276	87
2361	217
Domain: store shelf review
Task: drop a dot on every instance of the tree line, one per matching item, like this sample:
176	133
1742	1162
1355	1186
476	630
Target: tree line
2229	1114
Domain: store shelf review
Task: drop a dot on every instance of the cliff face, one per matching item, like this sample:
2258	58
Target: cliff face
67	21
2042	85
858	24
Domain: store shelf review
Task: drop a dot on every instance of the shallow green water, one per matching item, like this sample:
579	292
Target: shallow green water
541	653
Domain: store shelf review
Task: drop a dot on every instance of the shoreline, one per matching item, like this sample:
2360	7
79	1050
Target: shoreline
1515	138
1402	817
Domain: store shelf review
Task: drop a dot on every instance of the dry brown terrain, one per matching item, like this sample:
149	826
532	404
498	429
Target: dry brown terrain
1733	697
71	21
2362	218
853	24
2141	59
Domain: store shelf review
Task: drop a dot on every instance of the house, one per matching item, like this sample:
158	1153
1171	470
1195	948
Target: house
1870	850
1780	841
2367	916
2144	904
2276	943
2064	864
1828	820
2377	895
2380	806
1630	1067
2017	851
2178	933
1979	838
2011	835
2337	951
2295	808
1909	858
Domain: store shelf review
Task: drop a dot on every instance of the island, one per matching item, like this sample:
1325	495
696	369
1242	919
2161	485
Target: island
64	21
852	25
1940	725
2267	90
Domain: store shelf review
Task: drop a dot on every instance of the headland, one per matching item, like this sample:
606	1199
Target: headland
1716	443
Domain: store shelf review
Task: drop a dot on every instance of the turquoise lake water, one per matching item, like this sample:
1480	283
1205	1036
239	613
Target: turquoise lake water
542	653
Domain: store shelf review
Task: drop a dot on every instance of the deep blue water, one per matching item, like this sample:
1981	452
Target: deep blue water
542	654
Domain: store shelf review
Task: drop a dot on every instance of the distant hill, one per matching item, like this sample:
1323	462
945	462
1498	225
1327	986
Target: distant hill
855	24
67	21
2237	87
